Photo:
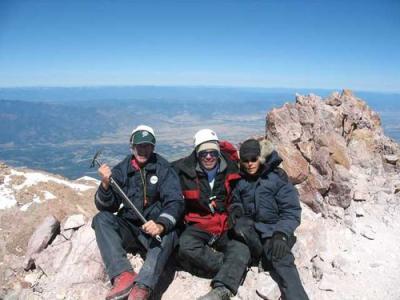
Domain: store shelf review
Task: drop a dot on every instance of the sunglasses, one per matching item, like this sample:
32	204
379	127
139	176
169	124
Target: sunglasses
213	154
253	160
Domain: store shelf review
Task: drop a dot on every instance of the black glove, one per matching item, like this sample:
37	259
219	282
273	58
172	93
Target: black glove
245	232
234	214
280	245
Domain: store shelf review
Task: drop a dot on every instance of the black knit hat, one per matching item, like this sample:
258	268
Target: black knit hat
250	149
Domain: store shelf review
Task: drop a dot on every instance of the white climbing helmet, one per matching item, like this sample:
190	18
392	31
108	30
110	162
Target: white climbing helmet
204	135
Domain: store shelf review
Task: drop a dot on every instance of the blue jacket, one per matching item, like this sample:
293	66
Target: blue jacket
164	201
269	199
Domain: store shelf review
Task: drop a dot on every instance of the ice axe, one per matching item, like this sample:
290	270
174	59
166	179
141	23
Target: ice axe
117	189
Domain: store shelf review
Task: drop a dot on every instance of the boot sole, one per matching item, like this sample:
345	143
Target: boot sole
123	295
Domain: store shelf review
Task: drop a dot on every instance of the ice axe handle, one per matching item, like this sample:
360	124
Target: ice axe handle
128	201
122	194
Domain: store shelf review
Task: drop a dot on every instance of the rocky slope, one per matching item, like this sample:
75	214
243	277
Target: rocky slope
347	172
334	149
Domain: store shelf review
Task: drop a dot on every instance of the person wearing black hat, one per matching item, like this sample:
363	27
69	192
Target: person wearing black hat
153	187
264	214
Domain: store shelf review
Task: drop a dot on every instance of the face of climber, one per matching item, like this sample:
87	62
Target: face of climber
143	152
208	158
251	165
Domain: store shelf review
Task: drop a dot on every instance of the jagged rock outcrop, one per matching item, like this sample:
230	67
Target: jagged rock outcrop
346	171
347	174
320	140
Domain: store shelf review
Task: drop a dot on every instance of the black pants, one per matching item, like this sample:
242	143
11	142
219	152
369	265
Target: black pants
284	272
217	255
115	236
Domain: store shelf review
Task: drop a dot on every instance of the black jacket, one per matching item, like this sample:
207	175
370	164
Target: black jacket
269	198
165	204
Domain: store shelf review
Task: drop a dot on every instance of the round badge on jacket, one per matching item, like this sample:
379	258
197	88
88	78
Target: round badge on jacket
153	179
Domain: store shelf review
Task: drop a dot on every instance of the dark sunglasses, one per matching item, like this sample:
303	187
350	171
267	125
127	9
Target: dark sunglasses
253	160
213	153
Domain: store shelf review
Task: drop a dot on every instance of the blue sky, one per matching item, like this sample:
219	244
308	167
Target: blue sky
285	43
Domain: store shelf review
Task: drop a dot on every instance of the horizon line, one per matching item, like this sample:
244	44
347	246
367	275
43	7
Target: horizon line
192	86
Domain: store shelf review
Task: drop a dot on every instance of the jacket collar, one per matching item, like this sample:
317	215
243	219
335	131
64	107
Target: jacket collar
151	164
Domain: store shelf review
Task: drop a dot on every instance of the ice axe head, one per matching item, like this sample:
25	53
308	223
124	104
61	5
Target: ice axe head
94	160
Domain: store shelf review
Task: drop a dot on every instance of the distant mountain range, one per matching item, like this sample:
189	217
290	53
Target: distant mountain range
175	93
59	129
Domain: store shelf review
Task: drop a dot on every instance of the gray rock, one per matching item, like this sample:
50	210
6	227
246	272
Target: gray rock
349	221
267	287
337	212
341	173
61	262
333	100
340	194
360	196
319	182
43	234
293	163
284	124
307	133
307	148
336	145
306	114
317	268
360	212
33	277
327	283
67	234
391	159
74	221
397	188
27	294
308	100
321	161
368	232
339	262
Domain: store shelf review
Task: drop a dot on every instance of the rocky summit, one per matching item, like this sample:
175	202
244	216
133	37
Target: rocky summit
335	151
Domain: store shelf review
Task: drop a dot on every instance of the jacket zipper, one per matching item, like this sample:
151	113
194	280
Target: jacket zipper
143	177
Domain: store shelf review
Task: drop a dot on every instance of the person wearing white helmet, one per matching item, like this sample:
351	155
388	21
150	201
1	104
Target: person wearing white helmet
153	187
207	178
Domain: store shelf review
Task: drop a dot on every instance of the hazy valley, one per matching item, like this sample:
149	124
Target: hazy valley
60	129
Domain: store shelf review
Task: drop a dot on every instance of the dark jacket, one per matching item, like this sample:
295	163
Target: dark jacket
164	203
269	198
199	196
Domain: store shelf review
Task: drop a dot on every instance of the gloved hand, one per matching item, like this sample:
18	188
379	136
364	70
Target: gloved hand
245	232
234	214
280	245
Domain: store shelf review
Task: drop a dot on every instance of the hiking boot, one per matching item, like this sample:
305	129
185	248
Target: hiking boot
218	293
122	285
139	292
